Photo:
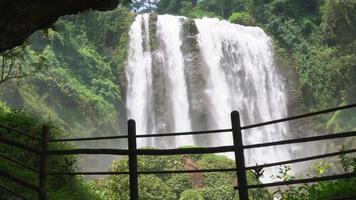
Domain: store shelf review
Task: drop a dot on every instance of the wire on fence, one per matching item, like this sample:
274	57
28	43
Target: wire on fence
89	138
143	172
210	170
86	173
299	116
301	159
133	151
165	152
184	133
141	136
18	145
306	139
122	152
301	181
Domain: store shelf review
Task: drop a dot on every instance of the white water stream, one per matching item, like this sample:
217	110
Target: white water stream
179	86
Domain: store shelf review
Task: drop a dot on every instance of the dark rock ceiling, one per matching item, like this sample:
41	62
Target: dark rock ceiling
20	18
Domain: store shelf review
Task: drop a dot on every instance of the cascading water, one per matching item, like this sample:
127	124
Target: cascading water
188	75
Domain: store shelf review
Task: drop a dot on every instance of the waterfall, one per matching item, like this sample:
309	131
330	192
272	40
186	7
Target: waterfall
188	75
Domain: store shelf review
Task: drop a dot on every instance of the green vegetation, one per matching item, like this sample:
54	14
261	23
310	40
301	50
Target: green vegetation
317	38
321	190
20	62
81	85
242	18
70	75
61	187
215	186
325	65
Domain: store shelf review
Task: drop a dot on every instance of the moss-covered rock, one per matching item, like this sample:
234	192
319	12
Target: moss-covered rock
153	31
195	72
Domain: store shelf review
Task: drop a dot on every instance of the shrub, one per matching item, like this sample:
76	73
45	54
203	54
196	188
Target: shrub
191	195
60	187
242	18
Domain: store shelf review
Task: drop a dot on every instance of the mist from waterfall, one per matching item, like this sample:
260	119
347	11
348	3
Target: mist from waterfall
185	75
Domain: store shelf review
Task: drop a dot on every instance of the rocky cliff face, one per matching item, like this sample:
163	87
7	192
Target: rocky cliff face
20	18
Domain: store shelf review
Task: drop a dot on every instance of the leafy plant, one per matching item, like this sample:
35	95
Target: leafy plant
243	18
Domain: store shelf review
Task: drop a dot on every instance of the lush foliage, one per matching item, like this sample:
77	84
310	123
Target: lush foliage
306	29
76	73
216	186
20	62
322	190
61	187
243	18
191	194
317	38
81	87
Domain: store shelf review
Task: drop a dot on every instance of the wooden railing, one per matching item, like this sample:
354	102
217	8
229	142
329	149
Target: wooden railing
132	152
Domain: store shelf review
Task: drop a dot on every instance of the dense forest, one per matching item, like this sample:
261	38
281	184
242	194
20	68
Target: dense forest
72	76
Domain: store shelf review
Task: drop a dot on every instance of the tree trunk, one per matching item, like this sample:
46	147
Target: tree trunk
194	2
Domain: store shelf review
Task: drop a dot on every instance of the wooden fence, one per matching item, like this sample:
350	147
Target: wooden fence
132	152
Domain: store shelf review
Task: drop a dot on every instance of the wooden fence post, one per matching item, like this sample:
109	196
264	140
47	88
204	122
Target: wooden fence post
43	163
239	156
133	159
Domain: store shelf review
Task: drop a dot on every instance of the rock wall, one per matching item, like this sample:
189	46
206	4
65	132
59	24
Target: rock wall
20	18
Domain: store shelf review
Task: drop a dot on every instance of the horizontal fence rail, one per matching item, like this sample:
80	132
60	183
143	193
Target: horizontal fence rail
301	140
88	151
89	138
19	181
302	159
213	170
204	150
132	152
300	116
211	131
19	132
184	133
20	164
18	145
305	180
41	187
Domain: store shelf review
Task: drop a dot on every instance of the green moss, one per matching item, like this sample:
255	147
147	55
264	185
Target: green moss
243	18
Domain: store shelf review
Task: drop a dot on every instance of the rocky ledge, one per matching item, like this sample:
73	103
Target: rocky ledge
20	18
